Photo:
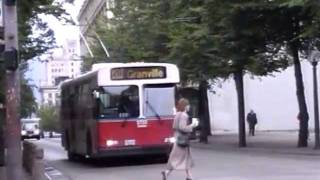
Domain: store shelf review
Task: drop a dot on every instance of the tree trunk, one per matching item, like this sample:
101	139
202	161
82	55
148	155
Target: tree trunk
238	78
2	115
204	112
2	124
303	110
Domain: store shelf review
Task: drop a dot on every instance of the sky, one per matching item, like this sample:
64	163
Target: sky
62	32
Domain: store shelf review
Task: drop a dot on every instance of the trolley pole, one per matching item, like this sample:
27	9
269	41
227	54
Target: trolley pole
13	136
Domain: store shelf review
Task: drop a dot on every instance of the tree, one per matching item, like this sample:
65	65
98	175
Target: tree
241	47
49	118
296	30
28	102
134	34
35	36
206	39
290	27
150	31
35	39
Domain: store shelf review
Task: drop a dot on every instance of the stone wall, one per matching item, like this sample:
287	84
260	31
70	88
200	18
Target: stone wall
33	161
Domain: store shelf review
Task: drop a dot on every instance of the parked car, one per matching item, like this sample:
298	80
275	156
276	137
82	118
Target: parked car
51	134
30	128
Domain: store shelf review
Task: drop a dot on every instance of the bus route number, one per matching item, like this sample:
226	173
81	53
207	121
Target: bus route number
142	123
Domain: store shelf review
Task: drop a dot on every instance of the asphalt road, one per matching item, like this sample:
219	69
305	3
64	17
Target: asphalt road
210	165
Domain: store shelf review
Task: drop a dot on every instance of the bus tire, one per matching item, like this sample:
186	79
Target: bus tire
89	145
71	156
165	157
66	139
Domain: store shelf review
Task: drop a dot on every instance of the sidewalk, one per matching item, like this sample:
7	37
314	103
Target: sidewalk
275	142
3	176
2	171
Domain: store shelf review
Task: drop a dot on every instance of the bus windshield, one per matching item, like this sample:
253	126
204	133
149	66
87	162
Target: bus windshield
119	102
159	100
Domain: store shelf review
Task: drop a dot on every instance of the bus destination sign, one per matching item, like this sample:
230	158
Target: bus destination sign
131	73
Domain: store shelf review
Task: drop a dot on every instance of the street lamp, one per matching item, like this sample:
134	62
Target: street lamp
314	58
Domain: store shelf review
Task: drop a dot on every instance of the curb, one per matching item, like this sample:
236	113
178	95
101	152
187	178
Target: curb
235	149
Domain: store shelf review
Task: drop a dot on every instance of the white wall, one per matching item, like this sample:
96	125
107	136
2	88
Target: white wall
273	98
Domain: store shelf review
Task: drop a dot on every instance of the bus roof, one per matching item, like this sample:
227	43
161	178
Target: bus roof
104	71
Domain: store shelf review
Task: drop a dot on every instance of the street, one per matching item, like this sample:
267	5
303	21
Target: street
210	165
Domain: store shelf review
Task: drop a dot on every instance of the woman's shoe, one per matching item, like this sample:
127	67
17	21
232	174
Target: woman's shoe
188	179
164	176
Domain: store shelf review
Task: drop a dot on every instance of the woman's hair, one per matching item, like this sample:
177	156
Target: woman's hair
181	105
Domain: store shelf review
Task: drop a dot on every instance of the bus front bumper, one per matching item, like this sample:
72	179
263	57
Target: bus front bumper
133	151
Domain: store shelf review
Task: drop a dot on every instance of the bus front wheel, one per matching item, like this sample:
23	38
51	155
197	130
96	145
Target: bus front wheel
71	156
89	145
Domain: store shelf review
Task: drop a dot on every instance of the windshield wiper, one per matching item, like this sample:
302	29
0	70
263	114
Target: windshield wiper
153	110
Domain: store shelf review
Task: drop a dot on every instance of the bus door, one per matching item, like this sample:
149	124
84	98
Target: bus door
159	103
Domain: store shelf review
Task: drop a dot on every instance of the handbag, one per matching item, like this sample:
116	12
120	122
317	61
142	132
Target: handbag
183	137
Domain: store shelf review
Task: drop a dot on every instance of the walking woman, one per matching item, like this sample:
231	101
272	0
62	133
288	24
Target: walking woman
180	157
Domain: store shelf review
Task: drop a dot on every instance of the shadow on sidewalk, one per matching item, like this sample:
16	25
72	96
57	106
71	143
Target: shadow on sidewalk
2	171
279	142
3	174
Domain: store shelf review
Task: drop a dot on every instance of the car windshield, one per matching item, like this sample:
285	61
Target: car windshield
119	102
156	105
30	126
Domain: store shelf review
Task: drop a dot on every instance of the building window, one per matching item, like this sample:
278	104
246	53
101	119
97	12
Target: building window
49	95
110	4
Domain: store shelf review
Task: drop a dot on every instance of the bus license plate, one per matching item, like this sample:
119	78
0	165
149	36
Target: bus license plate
129	142
142	123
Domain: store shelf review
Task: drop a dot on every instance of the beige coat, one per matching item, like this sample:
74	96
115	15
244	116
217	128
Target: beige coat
180	158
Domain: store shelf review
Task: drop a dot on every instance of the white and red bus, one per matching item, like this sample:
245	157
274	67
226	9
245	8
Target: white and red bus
119	109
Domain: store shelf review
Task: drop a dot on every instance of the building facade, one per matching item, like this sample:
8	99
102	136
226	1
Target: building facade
59	67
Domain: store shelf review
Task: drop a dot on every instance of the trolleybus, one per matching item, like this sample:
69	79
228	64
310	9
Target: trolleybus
119	109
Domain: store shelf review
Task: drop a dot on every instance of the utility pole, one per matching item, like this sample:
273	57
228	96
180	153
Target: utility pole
13	136
2	85
314	59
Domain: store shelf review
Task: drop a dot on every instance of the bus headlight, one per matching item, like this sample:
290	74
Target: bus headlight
37	131
23	132
110	143
170	140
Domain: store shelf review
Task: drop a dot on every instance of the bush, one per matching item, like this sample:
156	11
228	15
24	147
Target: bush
49	118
